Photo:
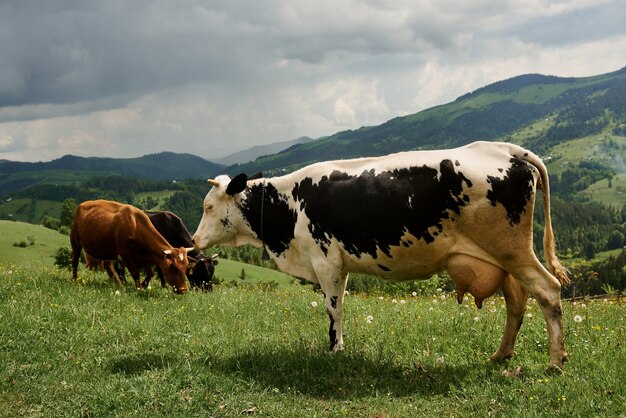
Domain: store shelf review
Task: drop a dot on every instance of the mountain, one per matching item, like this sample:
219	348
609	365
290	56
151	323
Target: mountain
537	111
71	169
253	153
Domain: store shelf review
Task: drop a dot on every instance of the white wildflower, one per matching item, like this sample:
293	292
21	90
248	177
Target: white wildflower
476	319
369	319
402	301
414	294
578	318
314	304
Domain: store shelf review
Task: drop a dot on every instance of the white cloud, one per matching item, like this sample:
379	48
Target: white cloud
102	78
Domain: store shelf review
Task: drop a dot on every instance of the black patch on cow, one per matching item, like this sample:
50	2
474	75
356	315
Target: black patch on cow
276	229
384	268
332	334
371	212
333	302
514	190
225	223
237	185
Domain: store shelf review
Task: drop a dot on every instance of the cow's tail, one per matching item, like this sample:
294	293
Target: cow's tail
549	248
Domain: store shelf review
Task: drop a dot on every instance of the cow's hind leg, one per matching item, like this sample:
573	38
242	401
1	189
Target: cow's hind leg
333	283
75	261
76	250
516	298
546	289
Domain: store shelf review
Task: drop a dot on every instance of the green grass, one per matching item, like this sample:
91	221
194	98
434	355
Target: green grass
590	147
46	243
613	196
87	349
228	270
25	210
161	196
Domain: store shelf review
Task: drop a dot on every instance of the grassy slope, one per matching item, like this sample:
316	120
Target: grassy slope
228	270
87	350
47	242
21	210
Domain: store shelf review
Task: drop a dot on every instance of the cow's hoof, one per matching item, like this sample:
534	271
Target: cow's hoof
498	357
554	370
336	348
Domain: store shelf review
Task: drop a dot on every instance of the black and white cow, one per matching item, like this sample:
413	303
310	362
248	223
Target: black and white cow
404	216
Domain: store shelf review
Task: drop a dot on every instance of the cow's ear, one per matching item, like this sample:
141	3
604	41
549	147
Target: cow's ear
237	185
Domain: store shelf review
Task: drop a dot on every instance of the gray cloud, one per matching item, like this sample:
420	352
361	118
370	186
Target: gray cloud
212	77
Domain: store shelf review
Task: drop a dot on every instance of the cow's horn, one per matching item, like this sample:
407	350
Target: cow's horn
214	256
167	252
187	249
213	182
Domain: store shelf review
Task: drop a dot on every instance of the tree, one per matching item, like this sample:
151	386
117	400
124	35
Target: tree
68	210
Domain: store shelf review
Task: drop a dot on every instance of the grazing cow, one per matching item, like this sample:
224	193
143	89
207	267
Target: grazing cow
106	229
403	216
174	231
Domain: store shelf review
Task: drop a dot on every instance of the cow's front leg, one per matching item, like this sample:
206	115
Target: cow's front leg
334	286
134	272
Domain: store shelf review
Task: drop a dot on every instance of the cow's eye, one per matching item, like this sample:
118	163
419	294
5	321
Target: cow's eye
208	207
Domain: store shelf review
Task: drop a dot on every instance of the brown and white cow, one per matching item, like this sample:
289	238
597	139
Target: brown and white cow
404	216
105	230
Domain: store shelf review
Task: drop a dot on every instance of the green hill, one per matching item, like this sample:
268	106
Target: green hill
40	244
543	113
72	170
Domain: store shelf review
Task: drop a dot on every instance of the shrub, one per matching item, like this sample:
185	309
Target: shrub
50	222
63	258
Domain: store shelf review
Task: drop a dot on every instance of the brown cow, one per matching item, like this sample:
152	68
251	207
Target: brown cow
106	229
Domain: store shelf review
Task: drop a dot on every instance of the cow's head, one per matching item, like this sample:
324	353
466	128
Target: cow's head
222	220
202	270
176	264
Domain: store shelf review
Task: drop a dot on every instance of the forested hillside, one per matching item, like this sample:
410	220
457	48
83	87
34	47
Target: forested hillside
72	170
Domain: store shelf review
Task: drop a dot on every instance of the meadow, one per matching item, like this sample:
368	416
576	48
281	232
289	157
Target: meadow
90	349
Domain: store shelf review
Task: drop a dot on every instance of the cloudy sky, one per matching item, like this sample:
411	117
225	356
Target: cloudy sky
124	78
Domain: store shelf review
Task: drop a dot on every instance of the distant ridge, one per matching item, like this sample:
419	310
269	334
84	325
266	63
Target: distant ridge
160	166
257	151
567	107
